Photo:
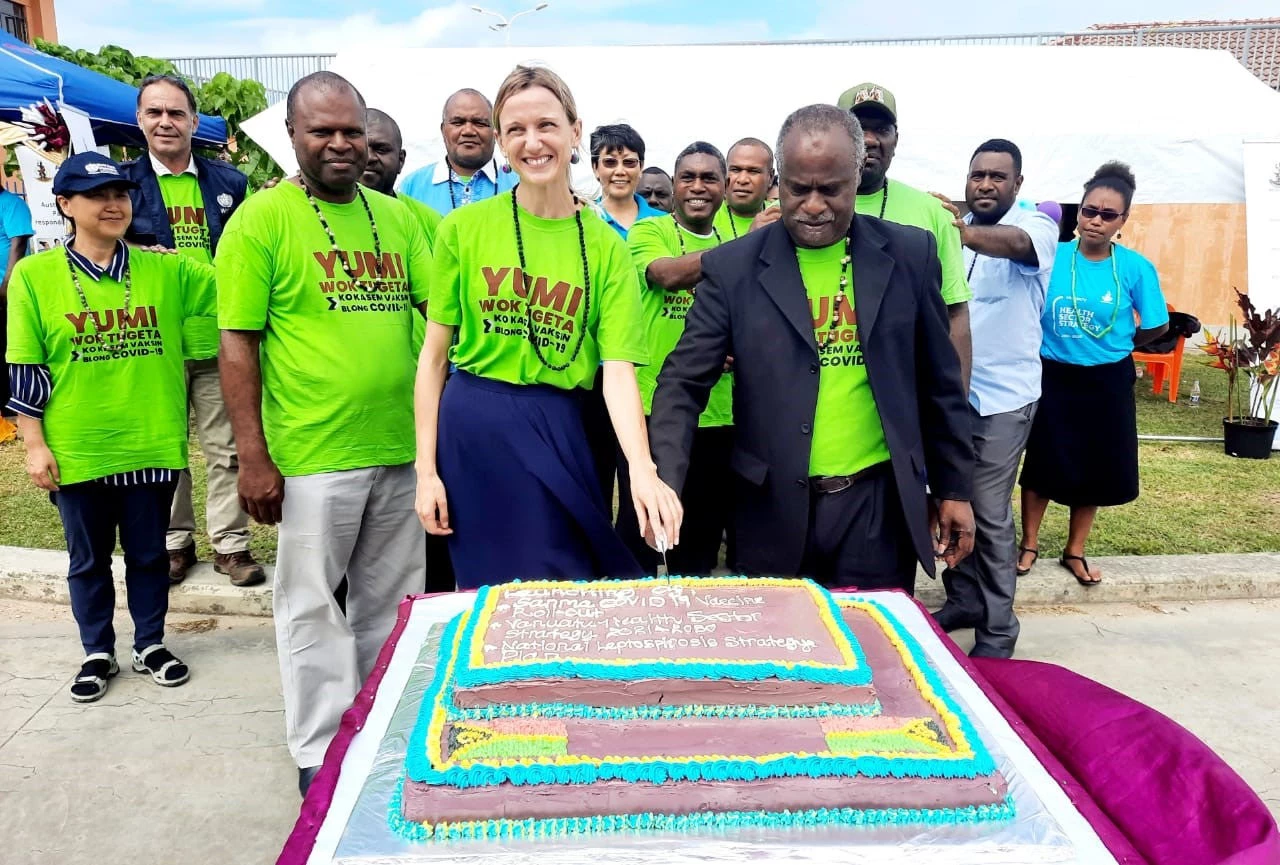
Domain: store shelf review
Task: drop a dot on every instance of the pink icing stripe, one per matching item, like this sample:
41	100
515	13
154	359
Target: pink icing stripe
1115	841
320	795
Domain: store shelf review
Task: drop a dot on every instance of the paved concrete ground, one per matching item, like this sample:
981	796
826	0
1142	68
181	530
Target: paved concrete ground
199	773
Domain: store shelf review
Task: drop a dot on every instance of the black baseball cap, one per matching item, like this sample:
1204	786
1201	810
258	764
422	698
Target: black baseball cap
85	172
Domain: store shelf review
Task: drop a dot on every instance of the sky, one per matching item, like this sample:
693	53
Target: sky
227	27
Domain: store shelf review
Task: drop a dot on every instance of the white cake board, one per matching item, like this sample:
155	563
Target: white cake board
1048	828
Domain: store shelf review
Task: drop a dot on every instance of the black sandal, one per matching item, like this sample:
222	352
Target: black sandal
1035	555
91	682
1086	583
159	663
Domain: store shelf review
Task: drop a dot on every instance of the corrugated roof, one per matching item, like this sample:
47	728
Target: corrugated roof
1253	41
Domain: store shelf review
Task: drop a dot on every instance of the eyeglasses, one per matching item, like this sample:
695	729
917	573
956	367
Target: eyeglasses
1104	215
612	162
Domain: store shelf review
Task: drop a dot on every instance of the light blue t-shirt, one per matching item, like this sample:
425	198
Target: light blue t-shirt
435	187
15	221
1102	296
645	210
1004	317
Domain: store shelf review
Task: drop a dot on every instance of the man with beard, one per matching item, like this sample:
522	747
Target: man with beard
386	160
469	172
655	188
1010	258
311	271
750	178
877	111
846	388
668	252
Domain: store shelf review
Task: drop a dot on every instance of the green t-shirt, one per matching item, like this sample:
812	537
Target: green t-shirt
119	398
337	355
907	205
474	288
185	206
665	309
730	225
429	218
847	434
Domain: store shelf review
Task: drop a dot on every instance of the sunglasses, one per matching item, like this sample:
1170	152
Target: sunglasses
1104	215
612	162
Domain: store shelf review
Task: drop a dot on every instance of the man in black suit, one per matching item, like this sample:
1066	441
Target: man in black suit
847	391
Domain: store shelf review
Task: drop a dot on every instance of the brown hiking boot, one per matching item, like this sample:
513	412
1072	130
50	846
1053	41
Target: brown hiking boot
180	562
240	567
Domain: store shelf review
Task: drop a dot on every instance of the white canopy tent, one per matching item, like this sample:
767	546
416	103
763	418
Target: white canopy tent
1179	116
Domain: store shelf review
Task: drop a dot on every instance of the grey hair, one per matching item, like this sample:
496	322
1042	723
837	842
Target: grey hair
813	119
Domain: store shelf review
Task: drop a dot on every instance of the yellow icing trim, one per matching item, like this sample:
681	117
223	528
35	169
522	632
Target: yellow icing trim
435	730
949	720
917	730
821	603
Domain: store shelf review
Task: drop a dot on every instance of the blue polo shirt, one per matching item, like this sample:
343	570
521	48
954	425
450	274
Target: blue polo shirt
439	189
1074	329
15	221
646	210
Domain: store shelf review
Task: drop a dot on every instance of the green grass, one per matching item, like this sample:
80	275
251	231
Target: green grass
1195	499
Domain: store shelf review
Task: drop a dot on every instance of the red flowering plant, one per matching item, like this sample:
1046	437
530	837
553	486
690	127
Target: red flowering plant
1256	353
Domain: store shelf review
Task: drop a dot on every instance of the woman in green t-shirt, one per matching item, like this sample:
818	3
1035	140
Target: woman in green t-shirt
95	338
540	291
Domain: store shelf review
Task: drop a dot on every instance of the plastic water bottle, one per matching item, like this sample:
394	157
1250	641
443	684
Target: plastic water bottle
1195	393
1141	370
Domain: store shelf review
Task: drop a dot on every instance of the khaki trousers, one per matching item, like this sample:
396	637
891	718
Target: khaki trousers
227	522
359	524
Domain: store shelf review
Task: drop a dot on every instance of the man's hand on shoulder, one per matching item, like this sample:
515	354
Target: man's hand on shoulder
768	216
956	219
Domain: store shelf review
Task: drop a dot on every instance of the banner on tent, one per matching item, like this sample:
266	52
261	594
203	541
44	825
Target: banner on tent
1262	223
37	181
81	128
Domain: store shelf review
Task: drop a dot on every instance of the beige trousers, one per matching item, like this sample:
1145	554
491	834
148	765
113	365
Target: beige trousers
359	524
227	522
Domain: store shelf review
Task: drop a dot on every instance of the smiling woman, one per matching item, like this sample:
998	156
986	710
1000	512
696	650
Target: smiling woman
541	292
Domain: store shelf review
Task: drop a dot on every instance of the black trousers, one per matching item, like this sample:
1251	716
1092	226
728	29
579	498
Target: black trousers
858	538
600	439
708	508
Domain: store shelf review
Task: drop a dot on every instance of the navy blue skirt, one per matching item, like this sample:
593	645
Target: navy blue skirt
524	500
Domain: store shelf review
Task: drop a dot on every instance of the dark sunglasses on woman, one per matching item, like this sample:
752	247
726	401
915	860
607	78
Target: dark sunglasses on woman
1106	215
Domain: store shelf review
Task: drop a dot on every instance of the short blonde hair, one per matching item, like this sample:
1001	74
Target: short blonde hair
524	78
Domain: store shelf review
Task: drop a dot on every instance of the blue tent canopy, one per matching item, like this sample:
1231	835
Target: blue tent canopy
28	76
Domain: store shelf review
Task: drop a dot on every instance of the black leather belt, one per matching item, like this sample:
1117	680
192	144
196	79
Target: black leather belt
830	484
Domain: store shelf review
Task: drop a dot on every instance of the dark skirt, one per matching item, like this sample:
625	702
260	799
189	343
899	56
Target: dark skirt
524	500
1083	449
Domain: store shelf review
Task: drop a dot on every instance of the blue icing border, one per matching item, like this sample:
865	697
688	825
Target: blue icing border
716	820
541	771
468	676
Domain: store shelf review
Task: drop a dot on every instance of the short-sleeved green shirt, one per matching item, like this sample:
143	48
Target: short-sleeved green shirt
847	433
478	288
337	354
184	205
665	309
119	398
907	205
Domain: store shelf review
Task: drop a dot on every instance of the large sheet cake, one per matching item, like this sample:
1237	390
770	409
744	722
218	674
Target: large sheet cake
681	703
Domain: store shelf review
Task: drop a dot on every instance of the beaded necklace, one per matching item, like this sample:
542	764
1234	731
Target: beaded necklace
333	243
733	223
466	187
844	287
528	302
884	199
680	237
75	280
1075	302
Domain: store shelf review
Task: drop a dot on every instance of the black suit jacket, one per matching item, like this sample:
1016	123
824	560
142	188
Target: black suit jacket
751	305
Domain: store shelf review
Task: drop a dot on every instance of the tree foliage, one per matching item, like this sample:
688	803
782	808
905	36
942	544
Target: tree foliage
234	100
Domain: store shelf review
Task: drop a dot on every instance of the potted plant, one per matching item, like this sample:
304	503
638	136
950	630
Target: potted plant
1256	354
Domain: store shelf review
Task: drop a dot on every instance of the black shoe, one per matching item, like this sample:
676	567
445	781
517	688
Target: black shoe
305	777
981	651
949	619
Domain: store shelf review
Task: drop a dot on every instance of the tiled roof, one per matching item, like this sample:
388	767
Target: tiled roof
1258	46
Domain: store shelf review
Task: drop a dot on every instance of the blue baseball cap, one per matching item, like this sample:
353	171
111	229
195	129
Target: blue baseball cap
85	172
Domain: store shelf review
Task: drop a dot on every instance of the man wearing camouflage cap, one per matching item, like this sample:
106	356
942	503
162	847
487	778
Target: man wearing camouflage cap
877	111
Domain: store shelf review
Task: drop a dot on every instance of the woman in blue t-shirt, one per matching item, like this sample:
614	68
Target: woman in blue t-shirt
1083	449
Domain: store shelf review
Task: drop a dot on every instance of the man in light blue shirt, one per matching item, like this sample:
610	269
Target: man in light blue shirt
469	171
15	237
1009	253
